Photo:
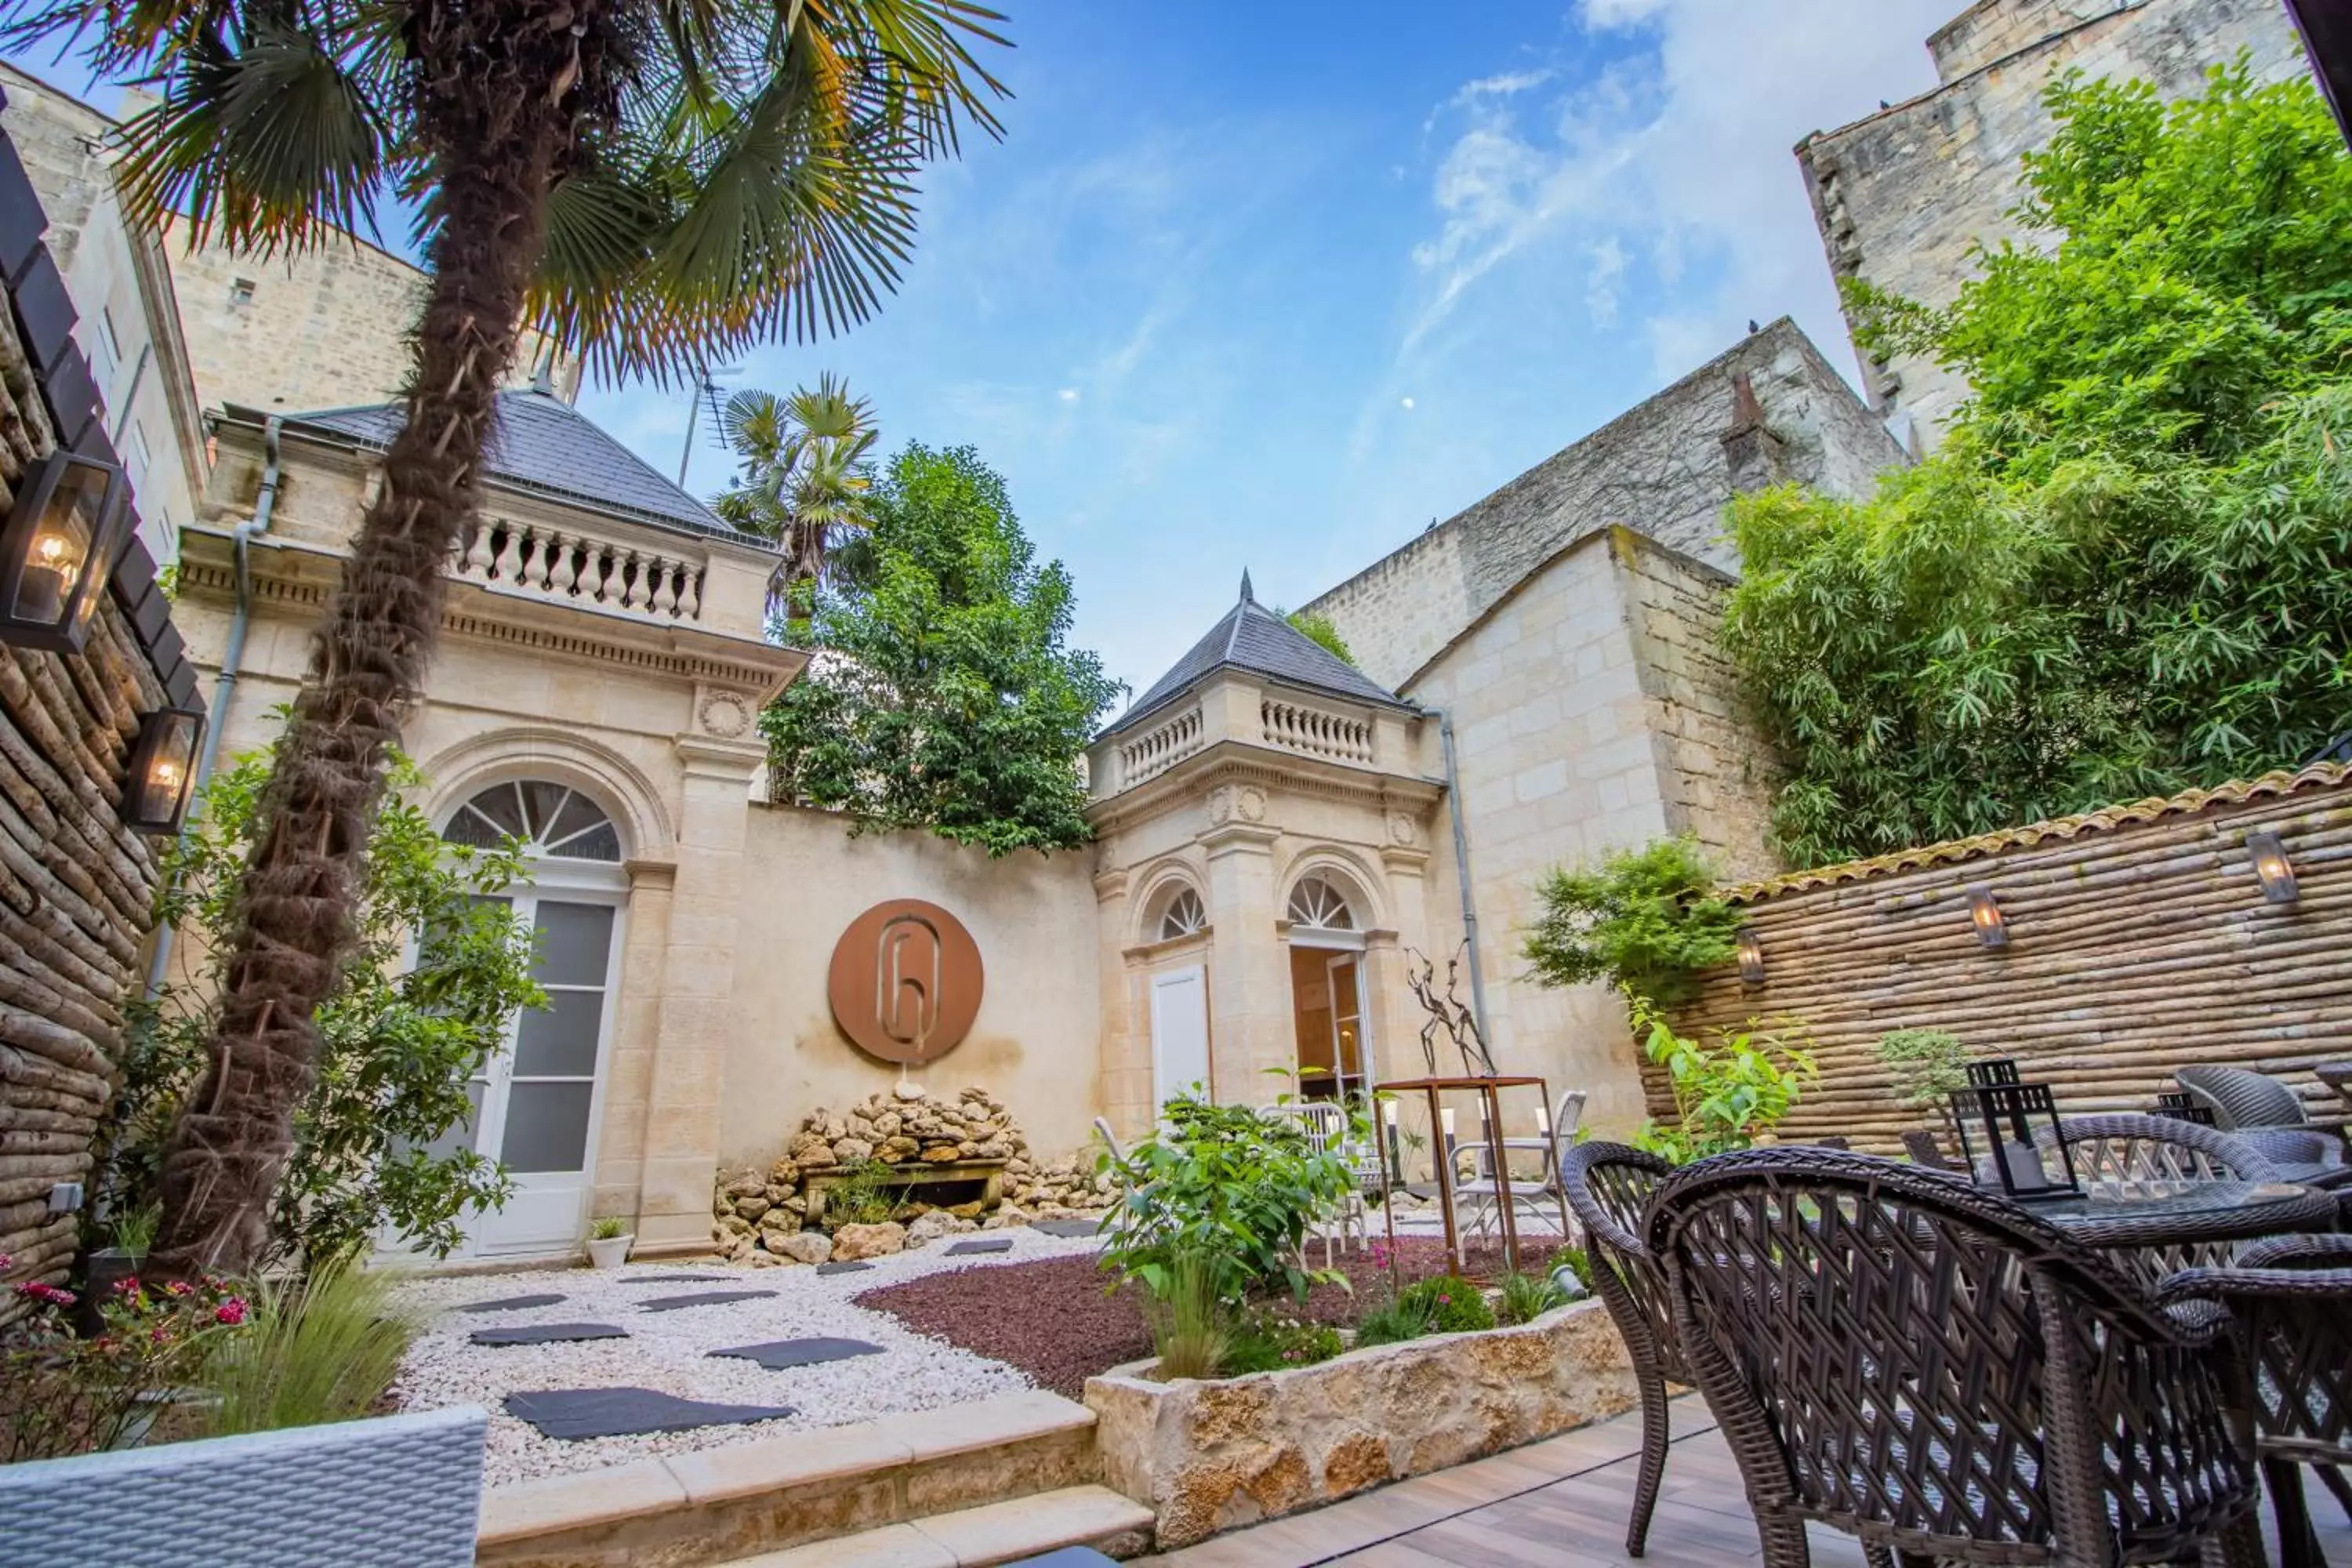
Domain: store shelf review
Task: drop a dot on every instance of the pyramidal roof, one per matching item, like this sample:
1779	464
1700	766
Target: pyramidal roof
1254	638
542	443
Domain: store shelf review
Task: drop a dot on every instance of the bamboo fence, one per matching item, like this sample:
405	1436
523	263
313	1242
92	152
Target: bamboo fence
2139	941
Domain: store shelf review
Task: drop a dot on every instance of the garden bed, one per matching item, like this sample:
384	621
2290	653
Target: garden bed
1207	1456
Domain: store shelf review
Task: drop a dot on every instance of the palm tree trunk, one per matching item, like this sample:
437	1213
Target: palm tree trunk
499	91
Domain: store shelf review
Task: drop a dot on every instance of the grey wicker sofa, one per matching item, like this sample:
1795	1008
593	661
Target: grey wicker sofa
400	1492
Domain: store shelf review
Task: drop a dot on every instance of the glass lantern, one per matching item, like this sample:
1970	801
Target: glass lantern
1998	1117
59	546
162	771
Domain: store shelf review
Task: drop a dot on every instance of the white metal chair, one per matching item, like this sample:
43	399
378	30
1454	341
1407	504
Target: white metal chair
1326	1126
1479	1191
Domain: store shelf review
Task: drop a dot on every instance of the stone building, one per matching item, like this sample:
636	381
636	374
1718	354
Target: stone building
1904	196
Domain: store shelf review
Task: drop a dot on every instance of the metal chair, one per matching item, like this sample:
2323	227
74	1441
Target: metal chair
2238	1098
1325	1123
1110	1141
2290	1300
1610	1186
1483	1191
1897	1353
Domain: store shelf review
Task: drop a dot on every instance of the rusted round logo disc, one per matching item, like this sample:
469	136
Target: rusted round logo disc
904	983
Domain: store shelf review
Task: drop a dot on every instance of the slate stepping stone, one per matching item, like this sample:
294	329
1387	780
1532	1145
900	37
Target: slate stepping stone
510	1304
852	1267
679	1279
547	1333
569	1414
706	1299
994	1244
777	1355
1068	1557
1068	1228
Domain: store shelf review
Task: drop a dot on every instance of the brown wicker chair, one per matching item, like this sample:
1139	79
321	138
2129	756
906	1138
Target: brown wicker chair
1609	1186
1941	1372
2291	1300
1926	1150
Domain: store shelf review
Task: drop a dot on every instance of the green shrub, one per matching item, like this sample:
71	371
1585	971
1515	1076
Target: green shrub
1725	1094
1192	1326
1449	1304
1390	1321
1645	920
1269	1342
1526	1296
863	1195
1926	1067
1228	1186
312	1351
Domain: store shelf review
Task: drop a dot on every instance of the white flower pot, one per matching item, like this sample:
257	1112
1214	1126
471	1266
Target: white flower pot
611	1252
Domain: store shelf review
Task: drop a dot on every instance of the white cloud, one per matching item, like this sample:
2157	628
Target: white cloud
1404	403
1069	394
1669	171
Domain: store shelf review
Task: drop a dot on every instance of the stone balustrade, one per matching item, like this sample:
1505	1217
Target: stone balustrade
1315	731
661	583
1159	748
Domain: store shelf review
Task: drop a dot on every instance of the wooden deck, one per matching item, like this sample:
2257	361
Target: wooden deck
1560	1504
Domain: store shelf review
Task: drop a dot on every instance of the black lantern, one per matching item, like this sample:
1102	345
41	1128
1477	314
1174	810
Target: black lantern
1751	957
62	538
2177	1105
2271	868
162	769
1998	1117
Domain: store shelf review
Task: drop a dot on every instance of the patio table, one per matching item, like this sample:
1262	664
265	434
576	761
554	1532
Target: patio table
2156	1213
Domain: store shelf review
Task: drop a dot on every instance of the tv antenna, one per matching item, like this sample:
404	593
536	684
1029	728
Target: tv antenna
706	389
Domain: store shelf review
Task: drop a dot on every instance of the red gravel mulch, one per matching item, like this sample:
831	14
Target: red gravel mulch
1056	1321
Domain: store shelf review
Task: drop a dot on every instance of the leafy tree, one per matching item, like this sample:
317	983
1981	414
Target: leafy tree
804	482
1645	921
649	181
401	1032
1320	631
2128	569
940	694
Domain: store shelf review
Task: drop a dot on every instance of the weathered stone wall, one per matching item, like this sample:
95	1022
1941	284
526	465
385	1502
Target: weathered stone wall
1209	1457
1663	469
1902	197
2139	941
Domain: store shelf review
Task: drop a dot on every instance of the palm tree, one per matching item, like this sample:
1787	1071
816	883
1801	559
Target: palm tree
804	482
652	183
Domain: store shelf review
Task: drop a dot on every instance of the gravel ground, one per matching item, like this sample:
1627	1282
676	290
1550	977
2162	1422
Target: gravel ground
666	1350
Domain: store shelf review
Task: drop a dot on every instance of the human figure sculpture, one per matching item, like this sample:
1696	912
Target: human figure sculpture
1447	1013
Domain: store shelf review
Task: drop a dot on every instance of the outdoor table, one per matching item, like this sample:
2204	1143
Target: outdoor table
2337	1075
2154	1213
1491	1106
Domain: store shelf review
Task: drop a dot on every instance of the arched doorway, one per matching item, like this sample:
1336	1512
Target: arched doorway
537	1104
1326	988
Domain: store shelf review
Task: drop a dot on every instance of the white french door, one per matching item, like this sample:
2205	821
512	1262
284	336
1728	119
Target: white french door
538	1102
1180	1033
1351	1047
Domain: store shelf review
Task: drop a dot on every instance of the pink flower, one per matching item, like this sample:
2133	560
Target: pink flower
177	1288
127	1286
40	1291
231	1311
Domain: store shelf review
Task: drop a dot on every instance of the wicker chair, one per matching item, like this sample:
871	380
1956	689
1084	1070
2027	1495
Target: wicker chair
2129	1147
2291	1301
2238	1098
1925	1151
1609	1188
1893	1353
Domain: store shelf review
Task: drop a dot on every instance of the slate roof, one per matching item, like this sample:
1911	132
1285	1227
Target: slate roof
1254	638
544	444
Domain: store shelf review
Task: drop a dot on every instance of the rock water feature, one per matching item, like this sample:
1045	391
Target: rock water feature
761	1217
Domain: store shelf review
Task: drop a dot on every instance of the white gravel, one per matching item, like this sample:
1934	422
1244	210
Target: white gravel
666	1350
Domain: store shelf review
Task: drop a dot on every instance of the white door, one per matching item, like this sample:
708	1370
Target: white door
1350	1047
1180	1032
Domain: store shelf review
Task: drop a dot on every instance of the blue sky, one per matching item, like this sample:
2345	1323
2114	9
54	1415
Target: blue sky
1275	284
1272	285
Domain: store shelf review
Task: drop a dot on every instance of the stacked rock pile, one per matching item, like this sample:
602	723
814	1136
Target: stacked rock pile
760	1217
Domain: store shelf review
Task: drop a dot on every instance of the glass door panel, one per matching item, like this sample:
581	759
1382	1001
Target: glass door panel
552	1082
1348	1023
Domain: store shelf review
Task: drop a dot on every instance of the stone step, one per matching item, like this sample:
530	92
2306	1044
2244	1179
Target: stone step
985	1537
722	1505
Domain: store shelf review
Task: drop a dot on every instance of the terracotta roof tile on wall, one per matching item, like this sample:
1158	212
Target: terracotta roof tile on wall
2282	780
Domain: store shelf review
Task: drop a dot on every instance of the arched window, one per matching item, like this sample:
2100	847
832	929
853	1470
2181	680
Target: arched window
1316	902
551	819
1184	916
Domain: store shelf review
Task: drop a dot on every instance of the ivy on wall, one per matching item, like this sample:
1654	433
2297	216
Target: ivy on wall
2128	570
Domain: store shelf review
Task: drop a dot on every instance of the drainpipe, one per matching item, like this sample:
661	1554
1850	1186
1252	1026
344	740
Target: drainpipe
232	656
1462	871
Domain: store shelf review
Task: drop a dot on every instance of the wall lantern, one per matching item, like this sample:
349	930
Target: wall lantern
1751	957
1998	1117
1993	926
162	769
2271	866
59	546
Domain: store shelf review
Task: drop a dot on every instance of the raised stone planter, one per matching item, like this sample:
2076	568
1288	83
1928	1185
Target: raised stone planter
1208	1456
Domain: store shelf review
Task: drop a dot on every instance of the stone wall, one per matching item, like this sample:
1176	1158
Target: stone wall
1036	1042
1902	197
2139	941
1663	469
76	886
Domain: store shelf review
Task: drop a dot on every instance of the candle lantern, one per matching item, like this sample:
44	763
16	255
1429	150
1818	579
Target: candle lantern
2177	1105
59	547
1998	1117
1751	957
162	769
2271	868
1395	1138
1985	911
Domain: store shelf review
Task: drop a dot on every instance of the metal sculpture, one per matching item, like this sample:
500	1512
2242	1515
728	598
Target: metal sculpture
1447	1013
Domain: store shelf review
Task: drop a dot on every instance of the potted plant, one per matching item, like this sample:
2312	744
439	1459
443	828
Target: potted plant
107	1266
608	1242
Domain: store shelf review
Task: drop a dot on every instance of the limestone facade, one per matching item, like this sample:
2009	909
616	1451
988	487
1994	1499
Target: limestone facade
1904	196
